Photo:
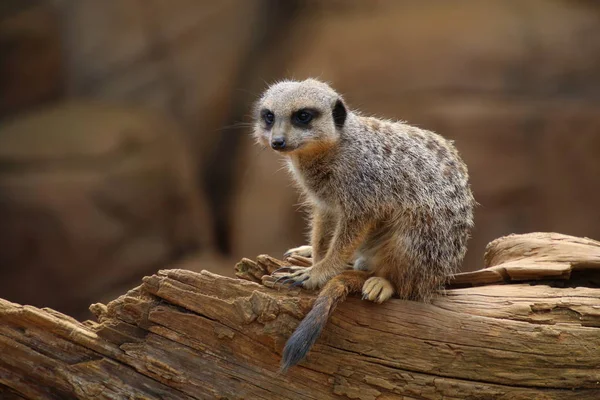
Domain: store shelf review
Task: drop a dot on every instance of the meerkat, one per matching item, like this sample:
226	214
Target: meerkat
391	199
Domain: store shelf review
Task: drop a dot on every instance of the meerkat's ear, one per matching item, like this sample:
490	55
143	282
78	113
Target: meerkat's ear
339	113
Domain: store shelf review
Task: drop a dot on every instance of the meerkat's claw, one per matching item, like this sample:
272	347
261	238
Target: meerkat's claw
296	277
286	269
276	281
280	276
281	270
377	289
291	281
304	251
298	283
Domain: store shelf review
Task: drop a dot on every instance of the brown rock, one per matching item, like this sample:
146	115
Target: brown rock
91	197
30	55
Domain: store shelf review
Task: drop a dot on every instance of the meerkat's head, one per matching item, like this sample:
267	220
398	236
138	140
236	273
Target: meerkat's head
300	116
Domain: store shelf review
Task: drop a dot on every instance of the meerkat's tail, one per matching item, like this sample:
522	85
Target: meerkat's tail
309	330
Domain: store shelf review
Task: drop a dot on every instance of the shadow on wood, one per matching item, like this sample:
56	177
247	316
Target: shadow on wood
524	327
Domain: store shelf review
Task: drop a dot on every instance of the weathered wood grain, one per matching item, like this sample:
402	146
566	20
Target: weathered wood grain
534	256
198	335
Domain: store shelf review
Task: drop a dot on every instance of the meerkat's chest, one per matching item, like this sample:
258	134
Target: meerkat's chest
317	182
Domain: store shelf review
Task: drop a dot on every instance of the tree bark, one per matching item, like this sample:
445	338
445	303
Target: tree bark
524	327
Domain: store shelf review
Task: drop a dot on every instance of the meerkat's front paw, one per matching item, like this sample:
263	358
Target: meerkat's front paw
377	289
296	276
304	251
315	280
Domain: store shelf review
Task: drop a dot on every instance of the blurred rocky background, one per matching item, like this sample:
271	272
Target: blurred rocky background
123	147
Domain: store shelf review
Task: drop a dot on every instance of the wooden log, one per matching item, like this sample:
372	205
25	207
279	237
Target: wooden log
198	335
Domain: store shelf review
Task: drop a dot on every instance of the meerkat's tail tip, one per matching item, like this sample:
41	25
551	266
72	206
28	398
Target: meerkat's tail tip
309	330
306	334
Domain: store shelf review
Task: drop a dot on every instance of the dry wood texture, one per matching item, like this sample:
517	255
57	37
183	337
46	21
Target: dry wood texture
199	335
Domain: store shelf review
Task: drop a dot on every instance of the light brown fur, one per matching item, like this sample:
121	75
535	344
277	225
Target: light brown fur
392	199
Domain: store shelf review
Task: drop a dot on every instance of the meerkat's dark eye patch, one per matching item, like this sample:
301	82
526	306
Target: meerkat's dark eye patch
267	116
339	113
302	117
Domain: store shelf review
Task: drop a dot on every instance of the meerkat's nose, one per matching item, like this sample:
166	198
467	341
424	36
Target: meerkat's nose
278	143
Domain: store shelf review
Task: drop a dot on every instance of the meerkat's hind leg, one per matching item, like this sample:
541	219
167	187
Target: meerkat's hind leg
377	289
369	258
304	251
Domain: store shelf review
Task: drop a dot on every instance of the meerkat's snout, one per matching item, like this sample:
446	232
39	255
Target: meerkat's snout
278	143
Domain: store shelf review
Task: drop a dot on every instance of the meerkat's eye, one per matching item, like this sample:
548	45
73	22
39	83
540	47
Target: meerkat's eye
303	117
268	116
